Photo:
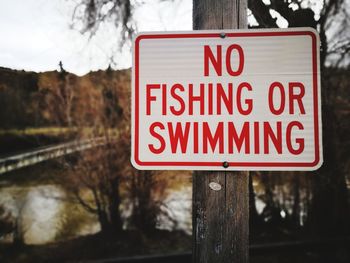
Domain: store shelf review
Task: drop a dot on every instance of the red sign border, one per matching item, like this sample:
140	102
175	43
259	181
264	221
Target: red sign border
217	35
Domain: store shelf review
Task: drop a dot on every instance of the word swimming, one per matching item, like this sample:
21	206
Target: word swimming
267	138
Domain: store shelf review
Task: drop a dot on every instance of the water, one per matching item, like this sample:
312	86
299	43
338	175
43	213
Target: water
37	210
45	214
177	210
42	212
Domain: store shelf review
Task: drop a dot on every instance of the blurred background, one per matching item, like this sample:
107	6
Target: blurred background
68	192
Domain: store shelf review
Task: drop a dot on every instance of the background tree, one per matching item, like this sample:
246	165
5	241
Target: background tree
6	222
329	212
94	181
95	175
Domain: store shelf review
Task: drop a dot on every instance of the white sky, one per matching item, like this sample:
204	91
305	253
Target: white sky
36	35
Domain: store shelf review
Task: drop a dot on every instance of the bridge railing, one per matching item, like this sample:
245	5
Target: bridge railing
17	161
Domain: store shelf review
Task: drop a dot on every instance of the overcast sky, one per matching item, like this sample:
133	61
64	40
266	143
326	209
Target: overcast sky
36	34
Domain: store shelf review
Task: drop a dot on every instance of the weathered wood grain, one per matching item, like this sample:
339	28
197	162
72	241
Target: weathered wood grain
220	217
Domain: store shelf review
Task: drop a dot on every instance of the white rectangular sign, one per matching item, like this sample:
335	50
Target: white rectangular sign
227	100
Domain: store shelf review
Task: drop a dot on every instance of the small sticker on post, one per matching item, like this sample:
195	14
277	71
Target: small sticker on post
215	186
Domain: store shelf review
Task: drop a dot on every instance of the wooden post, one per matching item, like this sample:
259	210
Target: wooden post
220	211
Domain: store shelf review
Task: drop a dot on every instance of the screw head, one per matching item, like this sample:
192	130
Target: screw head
225	164
222	35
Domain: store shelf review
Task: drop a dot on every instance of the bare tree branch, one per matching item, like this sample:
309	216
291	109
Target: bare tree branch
261	13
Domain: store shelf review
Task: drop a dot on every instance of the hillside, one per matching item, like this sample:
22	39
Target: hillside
62	99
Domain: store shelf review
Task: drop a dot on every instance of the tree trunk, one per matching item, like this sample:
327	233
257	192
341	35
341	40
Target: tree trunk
113	207
296	204
145	209
255	221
